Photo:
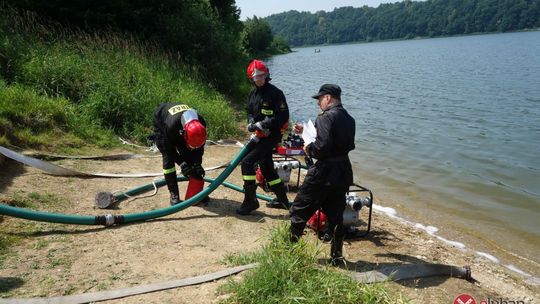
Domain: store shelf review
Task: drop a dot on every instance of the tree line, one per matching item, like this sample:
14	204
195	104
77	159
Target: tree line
405	20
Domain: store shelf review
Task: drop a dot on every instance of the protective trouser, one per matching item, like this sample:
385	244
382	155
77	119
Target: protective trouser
169	154
169	170
172	185
336	248
311	197
261	153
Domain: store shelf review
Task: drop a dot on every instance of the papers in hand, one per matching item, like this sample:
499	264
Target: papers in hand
310	133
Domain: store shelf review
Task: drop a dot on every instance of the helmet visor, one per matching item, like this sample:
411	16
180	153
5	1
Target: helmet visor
259	77
188	116
258	74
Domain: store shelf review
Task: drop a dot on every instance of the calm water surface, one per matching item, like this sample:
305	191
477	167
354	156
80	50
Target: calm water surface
448	130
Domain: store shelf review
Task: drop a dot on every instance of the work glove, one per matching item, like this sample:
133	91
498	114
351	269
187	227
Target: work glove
186	169
258	127
194	170
197	171
251	127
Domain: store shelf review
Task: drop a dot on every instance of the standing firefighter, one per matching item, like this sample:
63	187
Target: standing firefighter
180	135
268	117
328	180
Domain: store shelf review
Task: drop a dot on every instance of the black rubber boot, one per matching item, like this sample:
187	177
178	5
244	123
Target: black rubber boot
172	185
336	251
281	201
250	200
296	234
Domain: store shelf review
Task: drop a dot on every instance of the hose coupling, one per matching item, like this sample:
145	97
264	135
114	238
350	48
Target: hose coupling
109	220
468	273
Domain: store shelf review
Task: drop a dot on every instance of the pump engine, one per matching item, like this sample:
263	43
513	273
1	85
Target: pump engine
351	215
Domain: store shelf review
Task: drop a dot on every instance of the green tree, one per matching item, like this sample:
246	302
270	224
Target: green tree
280	45
257	35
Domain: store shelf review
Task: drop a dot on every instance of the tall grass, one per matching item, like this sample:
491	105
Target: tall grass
33	120
106	81
290	273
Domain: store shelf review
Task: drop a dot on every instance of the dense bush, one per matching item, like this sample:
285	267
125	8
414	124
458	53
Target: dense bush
200	33
109	81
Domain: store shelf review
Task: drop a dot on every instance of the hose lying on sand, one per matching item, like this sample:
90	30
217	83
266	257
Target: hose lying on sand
61	171
393	273
109	219
412	271
130	291
106	200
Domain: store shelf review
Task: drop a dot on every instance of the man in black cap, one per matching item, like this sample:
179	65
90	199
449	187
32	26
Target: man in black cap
328	180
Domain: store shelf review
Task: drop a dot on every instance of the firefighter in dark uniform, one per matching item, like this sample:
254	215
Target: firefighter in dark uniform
328	180
268	117
180	135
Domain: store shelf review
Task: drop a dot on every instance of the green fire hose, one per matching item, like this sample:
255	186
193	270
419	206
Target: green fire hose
110	219
127	194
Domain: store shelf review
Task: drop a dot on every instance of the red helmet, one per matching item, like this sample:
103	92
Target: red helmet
194	134
257	68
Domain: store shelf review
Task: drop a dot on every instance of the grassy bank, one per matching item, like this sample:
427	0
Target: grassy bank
31	200
61	87
293	273
29	119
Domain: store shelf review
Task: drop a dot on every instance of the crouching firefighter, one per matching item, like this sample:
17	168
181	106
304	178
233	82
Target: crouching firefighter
328	180
180	135
268	117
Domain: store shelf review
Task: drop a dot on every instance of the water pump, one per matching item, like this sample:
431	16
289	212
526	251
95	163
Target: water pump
285	161
357	199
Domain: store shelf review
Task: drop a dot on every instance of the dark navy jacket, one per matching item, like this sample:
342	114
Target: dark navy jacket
268	105
167	127
335	138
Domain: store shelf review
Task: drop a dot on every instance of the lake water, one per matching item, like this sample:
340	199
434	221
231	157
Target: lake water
447	131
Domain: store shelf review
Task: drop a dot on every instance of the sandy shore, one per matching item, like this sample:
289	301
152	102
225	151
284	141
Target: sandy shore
57	259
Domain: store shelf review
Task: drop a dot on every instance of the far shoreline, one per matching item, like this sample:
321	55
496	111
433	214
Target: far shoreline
409	39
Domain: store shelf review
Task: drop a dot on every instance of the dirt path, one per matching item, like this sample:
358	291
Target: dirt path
56	259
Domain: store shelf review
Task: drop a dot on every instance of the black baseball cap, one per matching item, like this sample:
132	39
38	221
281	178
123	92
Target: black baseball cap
333	89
